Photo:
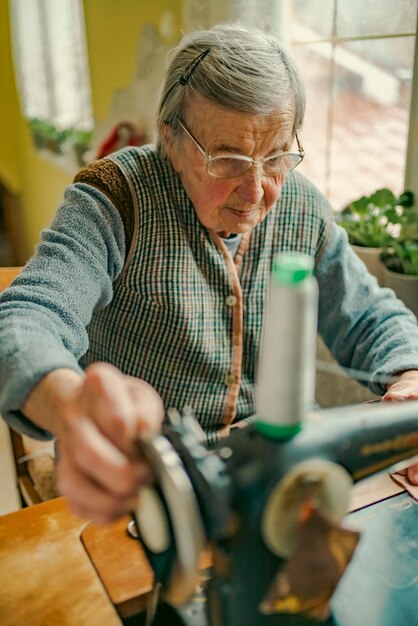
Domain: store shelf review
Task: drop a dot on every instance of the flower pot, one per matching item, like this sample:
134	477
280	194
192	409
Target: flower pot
405	287
80	151
39	140
371	258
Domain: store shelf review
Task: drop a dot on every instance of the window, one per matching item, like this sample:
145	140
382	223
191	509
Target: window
357	61
51	64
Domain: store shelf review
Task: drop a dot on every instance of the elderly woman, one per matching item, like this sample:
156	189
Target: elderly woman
148	290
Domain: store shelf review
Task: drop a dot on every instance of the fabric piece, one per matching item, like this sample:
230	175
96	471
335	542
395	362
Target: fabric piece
371	490
380	587
309	578
401	479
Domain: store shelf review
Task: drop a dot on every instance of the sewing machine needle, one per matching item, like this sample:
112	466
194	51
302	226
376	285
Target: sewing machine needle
152	604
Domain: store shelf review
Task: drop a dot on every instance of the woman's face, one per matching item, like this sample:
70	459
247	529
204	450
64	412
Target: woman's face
233	205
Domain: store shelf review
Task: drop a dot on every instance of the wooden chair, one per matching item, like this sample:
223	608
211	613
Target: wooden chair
34	460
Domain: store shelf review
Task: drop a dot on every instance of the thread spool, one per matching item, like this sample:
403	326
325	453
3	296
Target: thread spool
286	373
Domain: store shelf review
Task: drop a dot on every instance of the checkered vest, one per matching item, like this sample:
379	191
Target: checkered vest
170	321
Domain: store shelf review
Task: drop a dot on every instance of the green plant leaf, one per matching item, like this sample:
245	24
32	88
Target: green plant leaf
402	257
382	198
406	199
361	205
381	218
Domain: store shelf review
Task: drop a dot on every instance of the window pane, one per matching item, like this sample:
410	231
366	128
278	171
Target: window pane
357	117
375	17
314	64
51	60
312	19
371	118
354	18
29	59
69	68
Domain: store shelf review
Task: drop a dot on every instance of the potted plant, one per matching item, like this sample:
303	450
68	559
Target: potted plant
61	136
47	136
37	127
374	222
81	140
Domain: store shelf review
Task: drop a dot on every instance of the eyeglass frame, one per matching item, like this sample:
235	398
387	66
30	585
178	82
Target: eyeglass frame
258	162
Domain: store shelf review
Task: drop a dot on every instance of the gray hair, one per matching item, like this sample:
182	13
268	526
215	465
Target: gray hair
232	65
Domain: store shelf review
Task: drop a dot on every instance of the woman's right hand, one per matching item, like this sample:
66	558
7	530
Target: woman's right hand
96	424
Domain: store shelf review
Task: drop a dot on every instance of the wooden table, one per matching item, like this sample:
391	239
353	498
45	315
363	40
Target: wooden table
57	569
46	577
121	565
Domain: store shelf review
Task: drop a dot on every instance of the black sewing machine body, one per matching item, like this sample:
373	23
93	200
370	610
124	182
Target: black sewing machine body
249	493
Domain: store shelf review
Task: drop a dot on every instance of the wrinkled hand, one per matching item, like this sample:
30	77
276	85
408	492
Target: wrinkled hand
98	471
405	388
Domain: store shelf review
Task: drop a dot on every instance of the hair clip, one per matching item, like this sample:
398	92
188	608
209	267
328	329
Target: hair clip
185	77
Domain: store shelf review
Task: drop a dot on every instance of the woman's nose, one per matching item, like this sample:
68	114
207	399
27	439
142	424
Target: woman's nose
250	189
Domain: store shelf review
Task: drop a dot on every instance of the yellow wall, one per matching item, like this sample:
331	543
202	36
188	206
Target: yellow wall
112	29
43	183
9	108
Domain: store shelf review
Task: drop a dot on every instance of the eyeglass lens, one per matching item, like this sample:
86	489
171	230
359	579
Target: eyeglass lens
231	167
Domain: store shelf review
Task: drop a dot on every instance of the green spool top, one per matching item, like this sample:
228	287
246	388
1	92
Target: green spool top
290	268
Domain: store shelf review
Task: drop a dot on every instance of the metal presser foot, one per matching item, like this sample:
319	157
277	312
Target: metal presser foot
193	613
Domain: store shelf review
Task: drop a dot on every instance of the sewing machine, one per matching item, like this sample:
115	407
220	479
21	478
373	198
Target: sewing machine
271	498
271	510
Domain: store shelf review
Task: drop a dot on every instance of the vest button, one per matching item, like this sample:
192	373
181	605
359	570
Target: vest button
231	300
230	379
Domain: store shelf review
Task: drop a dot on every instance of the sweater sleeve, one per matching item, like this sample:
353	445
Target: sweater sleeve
365	327
44	313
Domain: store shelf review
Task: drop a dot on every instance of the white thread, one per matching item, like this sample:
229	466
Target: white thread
348	372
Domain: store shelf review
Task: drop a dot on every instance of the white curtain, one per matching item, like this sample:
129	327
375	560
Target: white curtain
51	61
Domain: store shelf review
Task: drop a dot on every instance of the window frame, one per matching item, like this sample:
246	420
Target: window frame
411	157
411	167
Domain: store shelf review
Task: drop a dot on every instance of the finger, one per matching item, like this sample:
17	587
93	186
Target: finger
393	396
148	403
413	474
406	389
89	500
398	393
97	458
106	399
121	405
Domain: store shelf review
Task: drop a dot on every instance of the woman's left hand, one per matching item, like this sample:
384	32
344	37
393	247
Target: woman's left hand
405	388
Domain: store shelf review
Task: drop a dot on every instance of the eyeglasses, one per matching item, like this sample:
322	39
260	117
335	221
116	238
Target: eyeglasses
236	165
